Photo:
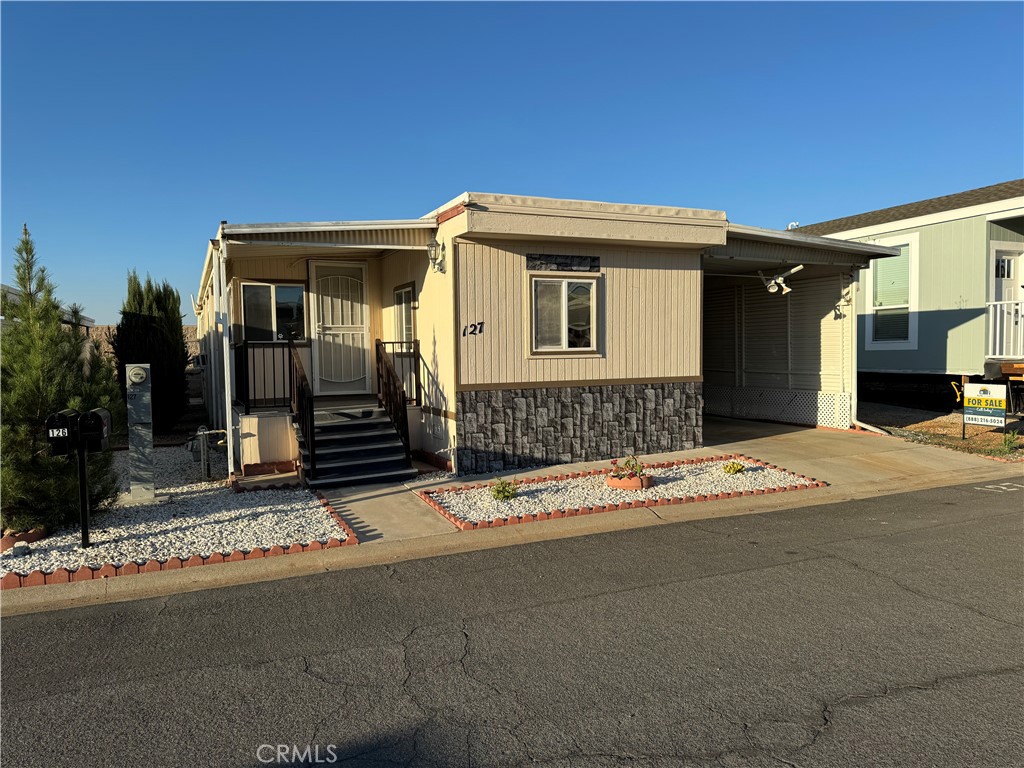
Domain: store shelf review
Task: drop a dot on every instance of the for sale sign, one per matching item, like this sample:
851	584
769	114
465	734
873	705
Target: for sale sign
985	404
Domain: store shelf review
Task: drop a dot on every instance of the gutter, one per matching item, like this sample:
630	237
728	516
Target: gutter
866	250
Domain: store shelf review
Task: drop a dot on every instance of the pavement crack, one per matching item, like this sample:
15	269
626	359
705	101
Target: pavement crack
914	591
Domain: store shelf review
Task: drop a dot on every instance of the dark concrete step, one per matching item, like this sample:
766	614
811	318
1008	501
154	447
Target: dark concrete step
332	449
354	465
336	481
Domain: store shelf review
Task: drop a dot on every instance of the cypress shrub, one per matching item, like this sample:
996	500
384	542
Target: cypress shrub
47	364
150	331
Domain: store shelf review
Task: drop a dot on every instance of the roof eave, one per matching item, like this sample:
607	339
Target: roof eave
868	250
328	226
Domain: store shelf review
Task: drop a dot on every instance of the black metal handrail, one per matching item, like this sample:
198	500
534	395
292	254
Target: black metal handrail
392	394
302	405
263	378
406	358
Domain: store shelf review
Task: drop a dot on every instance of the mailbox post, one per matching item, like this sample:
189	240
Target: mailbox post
68	432
139	390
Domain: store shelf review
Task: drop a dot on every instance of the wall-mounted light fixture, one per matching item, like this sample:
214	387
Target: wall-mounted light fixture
778	283
436	254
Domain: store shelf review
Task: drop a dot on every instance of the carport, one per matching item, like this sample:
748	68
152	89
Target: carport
779	326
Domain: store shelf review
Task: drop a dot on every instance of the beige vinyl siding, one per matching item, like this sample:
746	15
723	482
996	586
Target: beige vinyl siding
799	341
648	315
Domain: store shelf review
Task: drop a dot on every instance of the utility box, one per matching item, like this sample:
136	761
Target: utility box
139	391
61	432
94	429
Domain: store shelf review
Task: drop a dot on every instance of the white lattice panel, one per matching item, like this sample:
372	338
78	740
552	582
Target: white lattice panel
826	409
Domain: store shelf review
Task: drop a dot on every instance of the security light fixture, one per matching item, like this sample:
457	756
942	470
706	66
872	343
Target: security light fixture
778	283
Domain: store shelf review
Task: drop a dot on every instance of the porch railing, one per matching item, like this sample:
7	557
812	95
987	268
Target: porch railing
262	375
392	393
302	406
405	355
1005	323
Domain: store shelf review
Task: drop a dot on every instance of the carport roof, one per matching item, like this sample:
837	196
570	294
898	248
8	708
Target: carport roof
860	252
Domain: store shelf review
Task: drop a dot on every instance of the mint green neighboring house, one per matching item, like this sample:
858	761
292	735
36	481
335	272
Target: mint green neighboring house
952	303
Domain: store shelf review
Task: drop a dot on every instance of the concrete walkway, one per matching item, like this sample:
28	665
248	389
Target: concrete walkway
395	525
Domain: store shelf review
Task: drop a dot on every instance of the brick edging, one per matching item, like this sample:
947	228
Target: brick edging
470	525
38	578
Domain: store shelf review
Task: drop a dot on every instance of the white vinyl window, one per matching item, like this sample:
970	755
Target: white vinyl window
273	312
891	298
564	314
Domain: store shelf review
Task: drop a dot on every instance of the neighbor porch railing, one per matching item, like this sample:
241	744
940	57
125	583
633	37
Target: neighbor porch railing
392	393
1005	323
262	375
302	405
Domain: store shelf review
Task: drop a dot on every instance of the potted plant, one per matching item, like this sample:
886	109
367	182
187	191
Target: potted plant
631	475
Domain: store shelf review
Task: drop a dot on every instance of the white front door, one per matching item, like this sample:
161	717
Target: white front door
341	343
1008	277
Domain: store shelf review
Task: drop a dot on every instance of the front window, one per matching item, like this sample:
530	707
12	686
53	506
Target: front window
891	297
564	313
273	312
404	327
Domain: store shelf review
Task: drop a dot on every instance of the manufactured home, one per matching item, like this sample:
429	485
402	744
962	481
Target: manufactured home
500	332
952	303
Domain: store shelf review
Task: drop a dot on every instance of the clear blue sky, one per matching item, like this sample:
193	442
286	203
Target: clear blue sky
130	130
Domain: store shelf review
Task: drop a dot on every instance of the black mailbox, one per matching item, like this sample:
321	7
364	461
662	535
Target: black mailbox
61	432
94	428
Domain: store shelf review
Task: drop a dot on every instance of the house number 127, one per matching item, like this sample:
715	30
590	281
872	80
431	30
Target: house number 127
473	329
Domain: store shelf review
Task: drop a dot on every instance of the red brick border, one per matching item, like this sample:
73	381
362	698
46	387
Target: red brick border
499	522
36	578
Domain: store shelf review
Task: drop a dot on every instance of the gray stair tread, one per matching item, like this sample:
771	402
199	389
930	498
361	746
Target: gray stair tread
378	477
324	449
355	463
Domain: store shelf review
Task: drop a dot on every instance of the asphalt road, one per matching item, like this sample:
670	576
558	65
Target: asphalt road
880	632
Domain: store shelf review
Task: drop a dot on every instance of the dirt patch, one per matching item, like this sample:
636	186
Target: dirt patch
944	429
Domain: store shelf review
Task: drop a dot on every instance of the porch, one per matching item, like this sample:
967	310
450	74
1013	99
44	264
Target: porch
335	439
1005	330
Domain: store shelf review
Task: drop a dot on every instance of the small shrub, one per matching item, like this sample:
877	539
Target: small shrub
1010	440
733	468
505	490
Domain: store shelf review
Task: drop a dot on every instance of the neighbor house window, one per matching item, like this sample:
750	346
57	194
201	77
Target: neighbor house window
892	298
272	312
564	314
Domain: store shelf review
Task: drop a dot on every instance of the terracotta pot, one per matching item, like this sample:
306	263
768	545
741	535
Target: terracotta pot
629	483
29	537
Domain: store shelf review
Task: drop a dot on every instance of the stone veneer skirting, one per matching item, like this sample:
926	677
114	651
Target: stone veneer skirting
499	430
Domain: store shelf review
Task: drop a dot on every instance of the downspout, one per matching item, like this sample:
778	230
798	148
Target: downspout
216	386
854	285
228	415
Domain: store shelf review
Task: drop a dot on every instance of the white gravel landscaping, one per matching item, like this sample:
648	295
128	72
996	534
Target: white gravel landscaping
704	478
202	517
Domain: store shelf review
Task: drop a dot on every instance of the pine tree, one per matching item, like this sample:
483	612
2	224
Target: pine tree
150	331
46	366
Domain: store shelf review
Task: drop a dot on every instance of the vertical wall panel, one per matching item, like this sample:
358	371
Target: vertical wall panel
648	315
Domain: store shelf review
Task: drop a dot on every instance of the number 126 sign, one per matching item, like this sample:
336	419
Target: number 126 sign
985	404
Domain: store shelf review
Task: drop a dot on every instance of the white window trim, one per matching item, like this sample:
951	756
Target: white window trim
910	240
1002	245
564	279
273	305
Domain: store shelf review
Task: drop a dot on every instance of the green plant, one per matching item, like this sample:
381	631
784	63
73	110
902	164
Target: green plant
1010	439
47	364
630	467
505	490
733	468
150	331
